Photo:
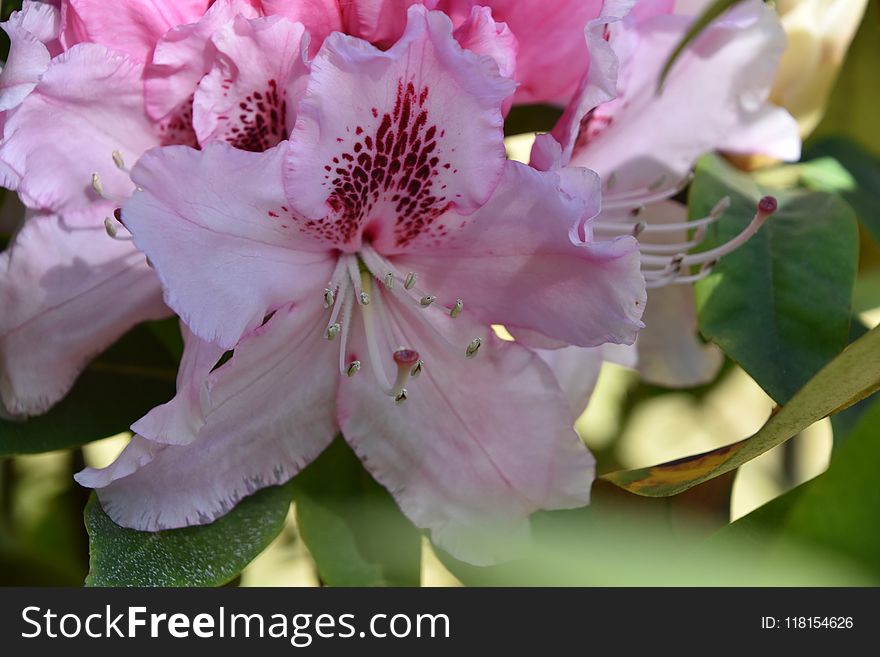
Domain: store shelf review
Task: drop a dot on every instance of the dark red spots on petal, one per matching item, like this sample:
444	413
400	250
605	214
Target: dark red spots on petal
260	124
178	127
392	171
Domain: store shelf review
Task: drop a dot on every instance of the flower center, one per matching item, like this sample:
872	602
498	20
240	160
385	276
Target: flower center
362	284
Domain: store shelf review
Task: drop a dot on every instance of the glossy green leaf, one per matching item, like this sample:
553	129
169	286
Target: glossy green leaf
849	378
780	305
206	555
352	526
843	423
838	511
118	388
709	14
862	190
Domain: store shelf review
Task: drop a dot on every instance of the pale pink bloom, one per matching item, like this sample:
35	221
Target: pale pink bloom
75	95
644	145
355	274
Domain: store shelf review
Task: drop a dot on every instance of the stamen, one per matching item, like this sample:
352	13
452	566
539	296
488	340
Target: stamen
353	368
410	280
373	350
639	228
401	397
473	348
456	309
97	186
655	191
427	300
333	330
112	226
118	161
329	297
364	299
389	281
416	370
670	272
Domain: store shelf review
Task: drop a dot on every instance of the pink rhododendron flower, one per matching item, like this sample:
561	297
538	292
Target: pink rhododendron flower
644	146
77	96
356	273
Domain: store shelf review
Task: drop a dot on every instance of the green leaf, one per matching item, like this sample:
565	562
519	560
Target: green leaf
780	305
352	526
849	378
863	189
843	423
617	546
711	12
118	388
838	511
206	555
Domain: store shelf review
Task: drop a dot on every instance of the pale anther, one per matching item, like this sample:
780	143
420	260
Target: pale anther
456	309
473	347
329	297
118	161
110	227
638	228
365	299
353	368
427	301
416	369
389	281
96	185
410	280
333	330
401	397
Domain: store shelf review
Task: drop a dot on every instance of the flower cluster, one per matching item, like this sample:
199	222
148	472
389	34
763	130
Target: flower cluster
320	189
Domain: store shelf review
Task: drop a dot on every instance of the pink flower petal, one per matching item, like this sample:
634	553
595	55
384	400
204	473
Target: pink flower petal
178	421
271	413
249	97
378	21
478	445
68	291
320	17
515	264
29	30
670	352
183	55
577	371
215	225
88	104
130	26
386	141
719	84
138	453
552	55
482	35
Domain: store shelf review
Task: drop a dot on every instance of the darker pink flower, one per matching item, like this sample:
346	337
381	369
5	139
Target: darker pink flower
356	273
